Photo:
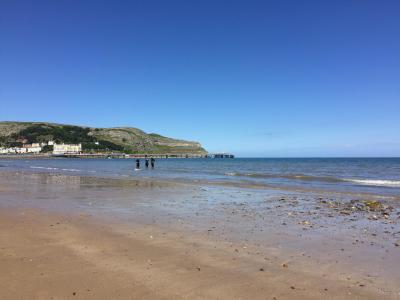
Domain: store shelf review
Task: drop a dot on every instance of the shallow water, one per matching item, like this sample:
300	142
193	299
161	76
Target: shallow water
379	176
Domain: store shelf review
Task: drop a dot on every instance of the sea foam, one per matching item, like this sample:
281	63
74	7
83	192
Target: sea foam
376	182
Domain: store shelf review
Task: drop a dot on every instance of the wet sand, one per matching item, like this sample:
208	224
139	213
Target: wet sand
75	237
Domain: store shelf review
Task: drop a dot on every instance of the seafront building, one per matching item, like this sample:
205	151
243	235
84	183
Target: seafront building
60	149
33	148
37	148
7	150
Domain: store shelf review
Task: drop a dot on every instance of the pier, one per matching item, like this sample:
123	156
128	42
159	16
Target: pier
124	155
221	155
155	155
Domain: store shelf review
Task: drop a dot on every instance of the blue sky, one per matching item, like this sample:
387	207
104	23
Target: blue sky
256	78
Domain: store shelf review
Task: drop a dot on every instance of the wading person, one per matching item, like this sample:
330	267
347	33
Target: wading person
152	160
137	164
146	162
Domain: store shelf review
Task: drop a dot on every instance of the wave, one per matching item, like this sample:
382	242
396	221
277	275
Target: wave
376	182
50	168
44	168
71	170
232	174
286	176
303	177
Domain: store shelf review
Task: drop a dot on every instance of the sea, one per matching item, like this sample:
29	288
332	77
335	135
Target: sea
378	176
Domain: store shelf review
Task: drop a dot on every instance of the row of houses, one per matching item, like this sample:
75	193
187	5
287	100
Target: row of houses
32	148
58	149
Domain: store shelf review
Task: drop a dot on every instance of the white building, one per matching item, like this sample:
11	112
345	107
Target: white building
21	150
7	150
11	150
31	148
67	148
50	143
34	148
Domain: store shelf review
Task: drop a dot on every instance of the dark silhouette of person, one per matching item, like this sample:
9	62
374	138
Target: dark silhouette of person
137	163
146	162
152	161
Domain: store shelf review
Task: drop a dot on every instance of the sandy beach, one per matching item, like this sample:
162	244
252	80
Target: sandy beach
75	237
199	150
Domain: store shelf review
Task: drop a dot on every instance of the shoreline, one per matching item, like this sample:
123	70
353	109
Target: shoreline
197	182
357	182
158	240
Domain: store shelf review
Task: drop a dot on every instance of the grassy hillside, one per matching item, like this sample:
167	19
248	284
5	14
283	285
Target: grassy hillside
125	139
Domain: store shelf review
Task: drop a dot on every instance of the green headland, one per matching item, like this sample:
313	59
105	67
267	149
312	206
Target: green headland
122	139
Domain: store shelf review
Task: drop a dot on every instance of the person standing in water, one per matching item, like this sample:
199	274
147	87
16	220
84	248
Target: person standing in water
146	162
137	163
152	160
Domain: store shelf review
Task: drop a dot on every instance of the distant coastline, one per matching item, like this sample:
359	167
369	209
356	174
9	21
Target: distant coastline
43	137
